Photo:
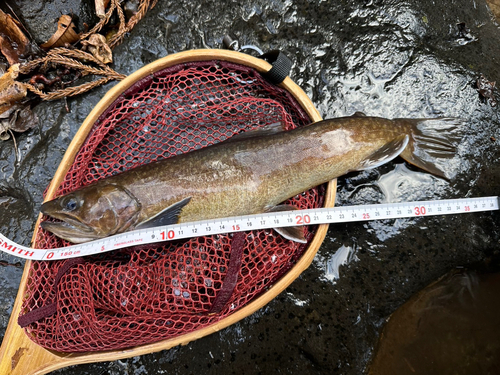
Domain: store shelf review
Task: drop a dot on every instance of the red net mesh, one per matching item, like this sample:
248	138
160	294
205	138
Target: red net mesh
145	294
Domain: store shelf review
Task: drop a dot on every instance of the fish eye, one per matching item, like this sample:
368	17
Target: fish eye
71	204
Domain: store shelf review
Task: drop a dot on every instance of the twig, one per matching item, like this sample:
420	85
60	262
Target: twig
85	69
121	16
15	144
102	22
144	6
17	18
69	91
78	54
59	56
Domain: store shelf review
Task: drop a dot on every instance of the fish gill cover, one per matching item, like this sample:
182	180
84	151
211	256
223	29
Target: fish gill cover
149	293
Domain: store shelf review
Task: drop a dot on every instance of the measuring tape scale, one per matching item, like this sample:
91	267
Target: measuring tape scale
270	220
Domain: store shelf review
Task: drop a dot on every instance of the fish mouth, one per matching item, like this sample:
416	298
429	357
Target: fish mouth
68	228
69	232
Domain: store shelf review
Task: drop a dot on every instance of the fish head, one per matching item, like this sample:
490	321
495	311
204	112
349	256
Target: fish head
92	212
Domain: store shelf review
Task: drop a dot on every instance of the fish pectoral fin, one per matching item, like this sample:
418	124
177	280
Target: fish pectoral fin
384	154
169	215
264	131
290	233
295	234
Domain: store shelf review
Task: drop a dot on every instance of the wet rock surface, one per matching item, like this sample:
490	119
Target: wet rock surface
385	58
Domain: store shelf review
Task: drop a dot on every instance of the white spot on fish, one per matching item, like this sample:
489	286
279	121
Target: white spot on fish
337	142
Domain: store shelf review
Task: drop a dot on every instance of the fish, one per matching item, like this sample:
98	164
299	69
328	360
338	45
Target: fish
250	173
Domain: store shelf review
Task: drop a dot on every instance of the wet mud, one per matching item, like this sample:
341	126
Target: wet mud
387	58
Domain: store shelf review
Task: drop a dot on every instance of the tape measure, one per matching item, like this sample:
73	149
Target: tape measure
254	222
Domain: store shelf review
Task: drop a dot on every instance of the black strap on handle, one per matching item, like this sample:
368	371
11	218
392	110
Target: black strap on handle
281	66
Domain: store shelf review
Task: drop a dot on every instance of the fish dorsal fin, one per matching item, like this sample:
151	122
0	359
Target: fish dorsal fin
267	130
169	215
290	233
358	114
384	154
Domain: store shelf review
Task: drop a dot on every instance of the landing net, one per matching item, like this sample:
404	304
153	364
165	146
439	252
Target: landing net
141	295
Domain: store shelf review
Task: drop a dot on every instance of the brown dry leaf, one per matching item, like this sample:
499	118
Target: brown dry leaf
11	91
65	34
495	8
13	42
486	90
97	46
100	7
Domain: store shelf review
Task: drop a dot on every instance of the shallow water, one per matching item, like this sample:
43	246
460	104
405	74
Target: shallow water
386	58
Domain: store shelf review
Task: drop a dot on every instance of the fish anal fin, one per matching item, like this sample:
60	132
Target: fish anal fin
169	215
384	154
295	233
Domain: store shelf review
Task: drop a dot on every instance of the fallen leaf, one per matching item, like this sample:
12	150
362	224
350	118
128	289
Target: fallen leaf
486	90
97	46
100	7
65	34
495	7
11	91
13	43
18	118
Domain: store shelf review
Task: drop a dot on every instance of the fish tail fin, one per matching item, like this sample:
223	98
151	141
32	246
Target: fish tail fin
432	143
